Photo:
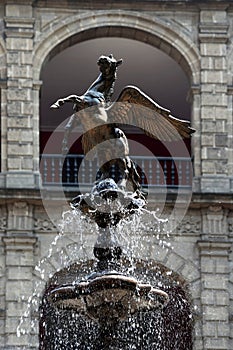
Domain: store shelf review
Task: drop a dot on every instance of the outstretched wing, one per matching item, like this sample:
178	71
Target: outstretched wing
134	107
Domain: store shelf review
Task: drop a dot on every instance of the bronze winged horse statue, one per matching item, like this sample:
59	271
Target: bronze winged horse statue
100	121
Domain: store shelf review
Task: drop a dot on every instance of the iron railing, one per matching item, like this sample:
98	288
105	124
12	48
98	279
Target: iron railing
72	170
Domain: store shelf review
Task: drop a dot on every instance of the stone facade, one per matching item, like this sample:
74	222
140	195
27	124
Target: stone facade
196	34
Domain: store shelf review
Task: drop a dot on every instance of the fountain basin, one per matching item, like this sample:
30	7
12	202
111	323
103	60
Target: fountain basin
108	298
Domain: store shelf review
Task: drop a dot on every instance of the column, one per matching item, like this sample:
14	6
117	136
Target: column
215	135
22	130
19	255
3	226
214	251
20	248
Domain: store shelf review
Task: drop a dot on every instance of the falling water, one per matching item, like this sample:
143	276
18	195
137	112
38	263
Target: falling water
72	251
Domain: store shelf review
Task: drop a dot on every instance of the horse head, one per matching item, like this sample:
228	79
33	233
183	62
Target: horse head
108	64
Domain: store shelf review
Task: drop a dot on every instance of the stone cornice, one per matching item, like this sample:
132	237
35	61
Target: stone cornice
33	196
28	34
214	248
213	32
213	38
212	5
19	27
136	4
19	242
19	22
20	2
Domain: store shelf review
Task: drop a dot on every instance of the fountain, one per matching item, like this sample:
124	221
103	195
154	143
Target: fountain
109	295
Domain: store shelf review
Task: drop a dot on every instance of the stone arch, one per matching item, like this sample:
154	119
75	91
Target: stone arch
169	37
173	261
153	31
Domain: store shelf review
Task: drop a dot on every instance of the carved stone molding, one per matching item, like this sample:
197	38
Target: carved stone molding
214	248
3	218
214	221
230	224
44	225
19	243
213	32
190	224
20	216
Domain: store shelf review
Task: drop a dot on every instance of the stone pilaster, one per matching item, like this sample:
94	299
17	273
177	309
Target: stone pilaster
19	243
19	257
20	218
214	262
2	294
194	98
3	226
214	223
3	87
21	130
215	272
215	134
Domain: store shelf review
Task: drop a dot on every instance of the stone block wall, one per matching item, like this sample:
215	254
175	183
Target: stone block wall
216	137
199	38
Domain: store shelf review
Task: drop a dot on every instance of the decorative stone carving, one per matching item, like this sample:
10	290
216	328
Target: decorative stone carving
44	225
190	224
20	216
214	221
3	218
230	223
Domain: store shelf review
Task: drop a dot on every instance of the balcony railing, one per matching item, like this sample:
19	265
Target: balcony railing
154	171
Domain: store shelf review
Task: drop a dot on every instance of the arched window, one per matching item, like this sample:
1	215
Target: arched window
154	72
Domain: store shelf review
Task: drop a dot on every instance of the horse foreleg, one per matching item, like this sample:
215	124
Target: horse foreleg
61	101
